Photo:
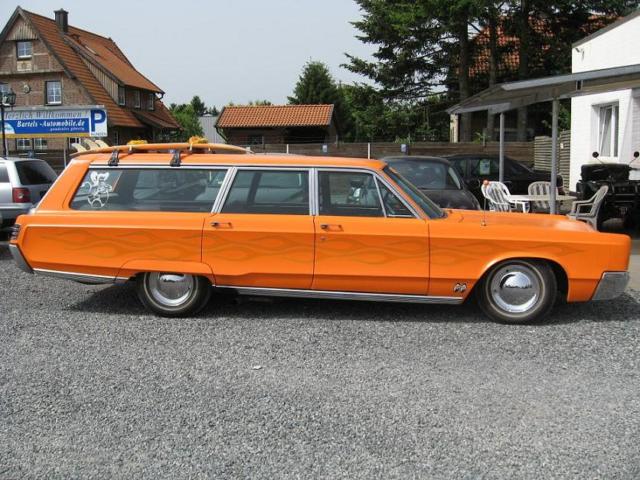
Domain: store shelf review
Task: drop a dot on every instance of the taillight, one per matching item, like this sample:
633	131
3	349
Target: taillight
21	195
15	231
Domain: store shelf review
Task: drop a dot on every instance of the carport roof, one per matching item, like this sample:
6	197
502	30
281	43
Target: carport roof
512	95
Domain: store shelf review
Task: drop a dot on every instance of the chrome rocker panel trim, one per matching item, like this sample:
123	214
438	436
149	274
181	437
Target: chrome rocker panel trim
336	295
19	258
611	285
80	277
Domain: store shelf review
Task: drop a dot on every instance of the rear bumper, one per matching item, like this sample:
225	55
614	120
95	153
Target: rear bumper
611	285
21	262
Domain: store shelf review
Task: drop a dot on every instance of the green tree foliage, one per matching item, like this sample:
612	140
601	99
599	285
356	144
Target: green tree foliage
426	47
198	106
317	86
187	117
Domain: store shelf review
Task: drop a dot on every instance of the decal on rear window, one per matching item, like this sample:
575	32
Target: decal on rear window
98	189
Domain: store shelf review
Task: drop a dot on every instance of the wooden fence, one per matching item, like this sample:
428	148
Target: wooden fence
542	155
522	151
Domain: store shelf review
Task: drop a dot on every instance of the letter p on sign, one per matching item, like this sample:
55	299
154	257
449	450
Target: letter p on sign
98	123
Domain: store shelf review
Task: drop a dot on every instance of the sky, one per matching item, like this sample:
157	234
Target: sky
221	50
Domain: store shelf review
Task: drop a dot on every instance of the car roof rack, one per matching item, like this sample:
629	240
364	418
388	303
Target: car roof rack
174	148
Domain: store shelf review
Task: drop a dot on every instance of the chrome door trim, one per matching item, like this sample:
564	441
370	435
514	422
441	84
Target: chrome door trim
339	295
314	201
224	188
80	277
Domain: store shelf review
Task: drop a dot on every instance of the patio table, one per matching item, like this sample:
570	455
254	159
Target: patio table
541	198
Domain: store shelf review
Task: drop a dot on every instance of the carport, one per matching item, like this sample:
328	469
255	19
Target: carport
503	97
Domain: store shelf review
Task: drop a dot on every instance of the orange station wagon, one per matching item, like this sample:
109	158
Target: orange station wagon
179	219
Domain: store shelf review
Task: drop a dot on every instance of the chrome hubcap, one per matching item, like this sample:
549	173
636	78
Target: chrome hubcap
170	289
515	288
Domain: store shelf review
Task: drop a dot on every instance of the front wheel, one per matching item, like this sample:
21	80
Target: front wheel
518	291
173	294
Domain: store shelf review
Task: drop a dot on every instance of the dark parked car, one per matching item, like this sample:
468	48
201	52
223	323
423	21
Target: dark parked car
437	178
477	168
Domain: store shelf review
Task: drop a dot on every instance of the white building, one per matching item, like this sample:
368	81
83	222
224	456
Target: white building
208	124
607	123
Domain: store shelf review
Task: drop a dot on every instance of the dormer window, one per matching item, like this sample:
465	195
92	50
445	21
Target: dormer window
151	101
122	97
136	98
24	50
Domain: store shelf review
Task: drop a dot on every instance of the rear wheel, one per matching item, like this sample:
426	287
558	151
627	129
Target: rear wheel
518	291
173	294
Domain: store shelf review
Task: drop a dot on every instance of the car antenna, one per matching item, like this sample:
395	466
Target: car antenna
483	223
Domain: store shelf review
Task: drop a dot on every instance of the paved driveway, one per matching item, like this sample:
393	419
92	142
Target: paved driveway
93	386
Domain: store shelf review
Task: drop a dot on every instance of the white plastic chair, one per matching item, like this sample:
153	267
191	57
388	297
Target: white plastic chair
540	188
500	200
587	210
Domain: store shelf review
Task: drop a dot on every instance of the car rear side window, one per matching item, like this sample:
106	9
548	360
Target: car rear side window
35	172
4	176
349	194
276	192
149	190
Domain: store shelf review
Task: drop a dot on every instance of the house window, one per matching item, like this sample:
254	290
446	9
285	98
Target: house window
608	129
54	93
255	139
136	98
72	140
151	100
4	88
122	97
23	144
24	50
40	143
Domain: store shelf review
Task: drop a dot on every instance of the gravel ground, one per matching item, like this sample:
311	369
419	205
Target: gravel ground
91	386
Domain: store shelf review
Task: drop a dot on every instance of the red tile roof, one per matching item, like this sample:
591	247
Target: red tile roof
275	116
509	59
67	48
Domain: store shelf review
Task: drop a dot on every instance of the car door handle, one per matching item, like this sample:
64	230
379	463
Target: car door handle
221	224
330	226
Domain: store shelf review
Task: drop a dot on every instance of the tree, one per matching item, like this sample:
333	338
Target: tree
260	102
187	117
317	86
198	106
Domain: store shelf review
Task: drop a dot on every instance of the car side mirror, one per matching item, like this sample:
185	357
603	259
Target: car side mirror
595	154
636	154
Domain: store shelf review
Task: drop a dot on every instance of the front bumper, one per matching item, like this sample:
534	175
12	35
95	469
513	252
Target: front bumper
611	285
19	258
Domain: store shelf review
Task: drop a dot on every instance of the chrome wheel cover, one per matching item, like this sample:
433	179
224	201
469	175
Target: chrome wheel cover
170	289
515	288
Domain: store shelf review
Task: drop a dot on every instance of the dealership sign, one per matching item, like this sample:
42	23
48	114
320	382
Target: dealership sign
27	122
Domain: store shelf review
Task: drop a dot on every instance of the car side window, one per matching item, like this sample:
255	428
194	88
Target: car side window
4	176
149	190
460	165
276	192
349	194
393	206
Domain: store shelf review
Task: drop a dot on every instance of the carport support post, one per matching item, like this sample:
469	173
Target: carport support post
501	169
554	155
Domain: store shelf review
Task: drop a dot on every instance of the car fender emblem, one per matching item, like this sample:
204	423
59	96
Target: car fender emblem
459	287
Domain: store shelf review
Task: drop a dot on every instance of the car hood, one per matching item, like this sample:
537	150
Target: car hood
460	199
519	220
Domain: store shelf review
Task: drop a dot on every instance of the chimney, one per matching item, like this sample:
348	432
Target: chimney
62	20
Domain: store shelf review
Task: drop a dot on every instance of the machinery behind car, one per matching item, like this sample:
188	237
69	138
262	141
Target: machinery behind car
623	198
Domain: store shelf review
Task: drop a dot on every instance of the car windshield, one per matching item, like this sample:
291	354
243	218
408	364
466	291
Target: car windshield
428	175
428	207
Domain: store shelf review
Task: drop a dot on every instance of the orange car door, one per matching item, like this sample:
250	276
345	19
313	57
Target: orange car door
263	235
364	244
